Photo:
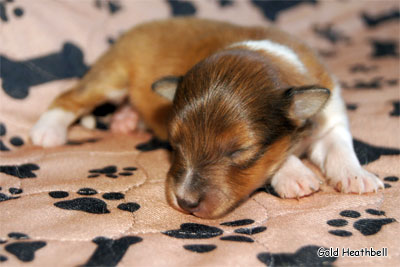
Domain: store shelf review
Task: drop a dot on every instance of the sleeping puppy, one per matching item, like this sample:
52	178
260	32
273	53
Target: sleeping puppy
239	105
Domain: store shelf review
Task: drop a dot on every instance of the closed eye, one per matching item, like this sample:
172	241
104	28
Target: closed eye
245	157
236	153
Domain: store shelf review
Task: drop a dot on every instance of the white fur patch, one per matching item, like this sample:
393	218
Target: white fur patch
51	129
332	150
182	188
275	49
88	121
117	96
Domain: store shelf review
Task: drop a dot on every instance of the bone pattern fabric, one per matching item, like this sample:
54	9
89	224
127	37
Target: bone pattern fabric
99	200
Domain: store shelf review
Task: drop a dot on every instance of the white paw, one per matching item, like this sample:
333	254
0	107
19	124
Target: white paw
355	180
48	135
125	120
51	129
294	179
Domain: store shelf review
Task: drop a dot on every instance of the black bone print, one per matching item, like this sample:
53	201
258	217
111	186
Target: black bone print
19	76
181	8
376	20
304	256
369	153
109	252
271	9
24	251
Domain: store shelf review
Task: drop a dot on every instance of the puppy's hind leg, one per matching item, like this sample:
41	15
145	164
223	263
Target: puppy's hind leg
333	151
106	81
125	120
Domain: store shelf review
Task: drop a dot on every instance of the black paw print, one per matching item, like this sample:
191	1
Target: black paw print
91	204
20	171
364	226
201	231
16	141
391	179
24	249
13	191
16	11
111	172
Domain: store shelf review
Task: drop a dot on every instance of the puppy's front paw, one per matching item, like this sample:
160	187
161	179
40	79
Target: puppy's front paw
295	180
355	180
51	129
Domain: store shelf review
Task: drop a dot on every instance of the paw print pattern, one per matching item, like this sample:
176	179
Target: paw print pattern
91	204
20	171
16	141
111	172
391	179
16	11
364	226
13	191
201	231
24	249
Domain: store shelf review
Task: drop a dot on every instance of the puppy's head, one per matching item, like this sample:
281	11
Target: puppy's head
234	121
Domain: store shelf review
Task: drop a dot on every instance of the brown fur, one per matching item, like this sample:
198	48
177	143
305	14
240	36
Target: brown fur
230	122
152	50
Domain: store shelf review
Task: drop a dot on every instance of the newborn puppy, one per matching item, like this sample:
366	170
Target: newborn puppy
238	105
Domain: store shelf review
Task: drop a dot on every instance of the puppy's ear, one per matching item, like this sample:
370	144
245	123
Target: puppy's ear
306	101
166	86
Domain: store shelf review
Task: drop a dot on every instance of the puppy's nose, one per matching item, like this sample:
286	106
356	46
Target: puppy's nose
189	205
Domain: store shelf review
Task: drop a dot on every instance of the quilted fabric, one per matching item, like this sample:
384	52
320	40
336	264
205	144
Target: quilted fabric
99	200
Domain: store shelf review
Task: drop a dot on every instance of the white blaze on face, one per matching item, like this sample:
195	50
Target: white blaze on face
275	49
186	182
